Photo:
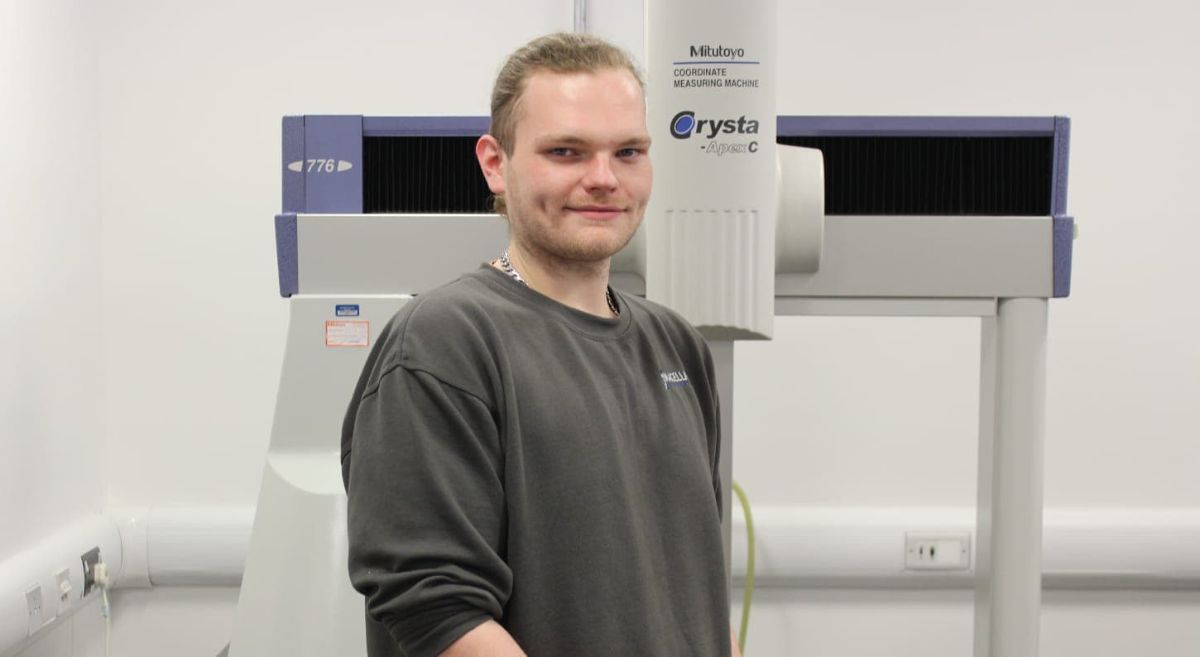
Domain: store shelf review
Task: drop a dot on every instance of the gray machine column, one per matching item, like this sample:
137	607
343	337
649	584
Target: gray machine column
1008	571
722	352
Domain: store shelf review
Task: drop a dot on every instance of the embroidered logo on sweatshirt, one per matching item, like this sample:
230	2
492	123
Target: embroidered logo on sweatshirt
677	379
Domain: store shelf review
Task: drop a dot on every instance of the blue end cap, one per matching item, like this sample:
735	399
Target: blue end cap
293	164
1062	165
1063	240
286	249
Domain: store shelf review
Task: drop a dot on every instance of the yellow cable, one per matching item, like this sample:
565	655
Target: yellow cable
746	598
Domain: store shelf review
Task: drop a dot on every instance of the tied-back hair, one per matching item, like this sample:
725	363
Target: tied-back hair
562	52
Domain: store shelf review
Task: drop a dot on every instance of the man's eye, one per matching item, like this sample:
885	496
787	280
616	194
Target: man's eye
629	152
561	152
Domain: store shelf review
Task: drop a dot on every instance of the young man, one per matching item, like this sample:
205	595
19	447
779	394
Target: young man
530	456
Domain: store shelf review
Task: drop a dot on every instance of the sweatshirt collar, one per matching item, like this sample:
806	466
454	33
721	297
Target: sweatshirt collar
587	323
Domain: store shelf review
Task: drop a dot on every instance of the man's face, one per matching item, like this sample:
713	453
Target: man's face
579	176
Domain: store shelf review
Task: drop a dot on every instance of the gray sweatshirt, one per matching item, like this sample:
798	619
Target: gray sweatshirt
508	457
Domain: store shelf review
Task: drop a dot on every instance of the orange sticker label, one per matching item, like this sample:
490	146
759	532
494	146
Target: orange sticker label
347	333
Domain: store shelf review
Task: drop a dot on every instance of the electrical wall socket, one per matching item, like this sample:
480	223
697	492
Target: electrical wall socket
37	608
928	551
63	580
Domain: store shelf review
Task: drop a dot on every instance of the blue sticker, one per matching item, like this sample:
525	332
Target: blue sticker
348	310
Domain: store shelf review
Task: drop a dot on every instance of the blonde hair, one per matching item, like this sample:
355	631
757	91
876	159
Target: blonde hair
561	52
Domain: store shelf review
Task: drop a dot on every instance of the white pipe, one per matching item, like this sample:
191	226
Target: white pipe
198	546
183	546
134	572
864	547
38	566
798	546
143	547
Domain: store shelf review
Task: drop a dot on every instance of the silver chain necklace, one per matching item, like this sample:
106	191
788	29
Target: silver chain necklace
506	266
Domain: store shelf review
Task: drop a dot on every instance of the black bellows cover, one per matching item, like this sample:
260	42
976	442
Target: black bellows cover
1010	176
423	175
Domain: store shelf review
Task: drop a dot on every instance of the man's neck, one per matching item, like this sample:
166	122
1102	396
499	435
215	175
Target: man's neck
582	286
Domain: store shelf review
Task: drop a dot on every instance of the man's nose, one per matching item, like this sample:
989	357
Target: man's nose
600	174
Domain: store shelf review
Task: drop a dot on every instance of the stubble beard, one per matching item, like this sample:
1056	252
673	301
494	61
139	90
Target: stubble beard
561	252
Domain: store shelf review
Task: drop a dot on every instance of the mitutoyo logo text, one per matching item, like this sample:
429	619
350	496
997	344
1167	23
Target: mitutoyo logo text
716	51
685	123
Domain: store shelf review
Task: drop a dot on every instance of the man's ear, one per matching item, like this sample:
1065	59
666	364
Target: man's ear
491	161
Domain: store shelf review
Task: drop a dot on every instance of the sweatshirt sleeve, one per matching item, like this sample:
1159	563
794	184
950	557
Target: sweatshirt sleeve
426	514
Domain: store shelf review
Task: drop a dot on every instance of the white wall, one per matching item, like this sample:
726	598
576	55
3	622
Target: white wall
51	390
869	412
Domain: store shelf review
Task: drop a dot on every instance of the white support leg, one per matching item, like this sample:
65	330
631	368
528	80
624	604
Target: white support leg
1008	591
